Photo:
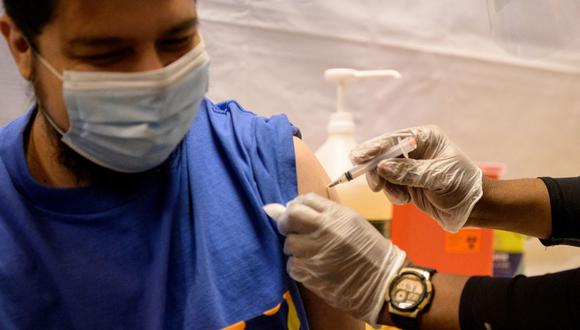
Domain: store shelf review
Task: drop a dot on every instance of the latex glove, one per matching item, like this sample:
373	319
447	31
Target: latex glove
337	254
439	179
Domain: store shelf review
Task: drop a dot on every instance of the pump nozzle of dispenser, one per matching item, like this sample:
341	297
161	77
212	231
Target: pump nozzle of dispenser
342	75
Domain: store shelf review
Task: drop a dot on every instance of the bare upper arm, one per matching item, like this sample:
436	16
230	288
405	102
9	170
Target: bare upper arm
313	178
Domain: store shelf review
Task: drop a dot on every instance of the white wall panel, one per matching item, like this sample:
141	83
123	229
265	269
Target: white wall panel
13	90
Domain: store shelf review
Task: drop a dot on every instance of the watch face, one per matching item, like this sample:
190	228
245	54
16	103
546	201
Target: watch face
407	291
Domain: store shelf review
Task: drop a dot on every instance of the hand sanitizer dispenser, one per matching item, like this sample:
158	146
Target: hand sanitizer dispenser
334	153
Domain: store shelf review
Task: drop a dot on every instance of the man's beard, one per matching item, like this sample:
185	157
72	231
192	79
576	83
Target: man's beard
85	171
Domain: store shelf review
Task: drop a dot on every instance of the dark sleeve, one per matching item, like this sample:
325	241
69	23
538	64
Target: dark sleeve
543	302
565	206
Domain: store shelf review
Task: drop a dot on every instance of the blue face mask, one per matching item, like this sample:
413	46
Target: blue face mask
132	122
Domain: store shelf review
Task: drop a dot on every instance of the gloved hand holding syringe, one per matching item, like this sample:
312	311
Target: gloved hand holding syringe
337	254
401	149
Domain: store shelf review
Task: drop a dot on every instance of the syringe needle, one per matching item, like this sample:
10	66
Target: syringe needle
335	183
403	148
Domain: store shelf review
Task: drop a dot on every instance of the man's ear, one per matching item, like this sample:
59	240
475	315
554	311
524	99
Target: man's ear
19	47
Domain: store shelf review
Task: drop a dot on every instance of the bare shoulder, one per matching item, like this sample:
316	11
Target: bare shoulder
311	175
313	178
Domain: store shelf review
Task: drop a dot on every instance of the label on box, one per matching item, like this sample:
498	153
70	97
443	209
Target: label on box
465	241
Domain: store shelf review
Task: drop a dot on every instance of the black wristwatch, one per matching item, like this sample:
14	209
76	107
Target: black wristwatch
410	295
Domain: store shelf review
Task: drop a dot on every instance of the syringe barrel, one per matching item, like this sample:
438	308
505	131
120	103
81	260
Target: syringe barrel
405	146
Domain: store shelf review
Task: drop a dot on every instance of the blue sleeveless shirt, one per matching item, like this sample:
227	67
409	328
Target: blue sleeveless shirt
189	247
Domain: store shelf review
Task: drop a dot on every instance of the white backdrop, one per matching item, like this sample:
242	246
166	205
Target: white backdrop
13	90
270	56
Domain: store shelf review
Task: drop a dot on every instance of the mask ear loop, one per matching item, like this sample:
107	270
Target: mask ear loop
41	109
45	62
49	67
50	121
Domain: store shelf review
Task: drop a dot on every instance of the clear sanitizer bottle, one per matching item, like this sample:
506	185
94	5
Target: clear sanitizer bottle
334	153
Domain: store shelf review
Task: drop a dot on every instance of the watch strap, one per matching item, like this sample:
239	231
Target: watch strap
431	271
405	323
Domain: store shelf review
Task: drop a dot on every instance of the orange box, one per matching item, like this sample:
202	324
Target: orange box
468	252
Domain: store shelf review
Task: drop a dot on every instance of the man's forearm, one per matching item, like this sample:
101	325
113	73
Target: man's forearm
521	206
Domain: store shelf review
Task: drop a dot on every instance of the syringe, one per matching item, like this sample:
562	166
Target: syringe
402	148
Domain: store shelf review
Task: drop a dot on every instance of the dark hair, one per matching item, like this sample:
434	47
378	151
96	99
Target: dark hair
31	16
